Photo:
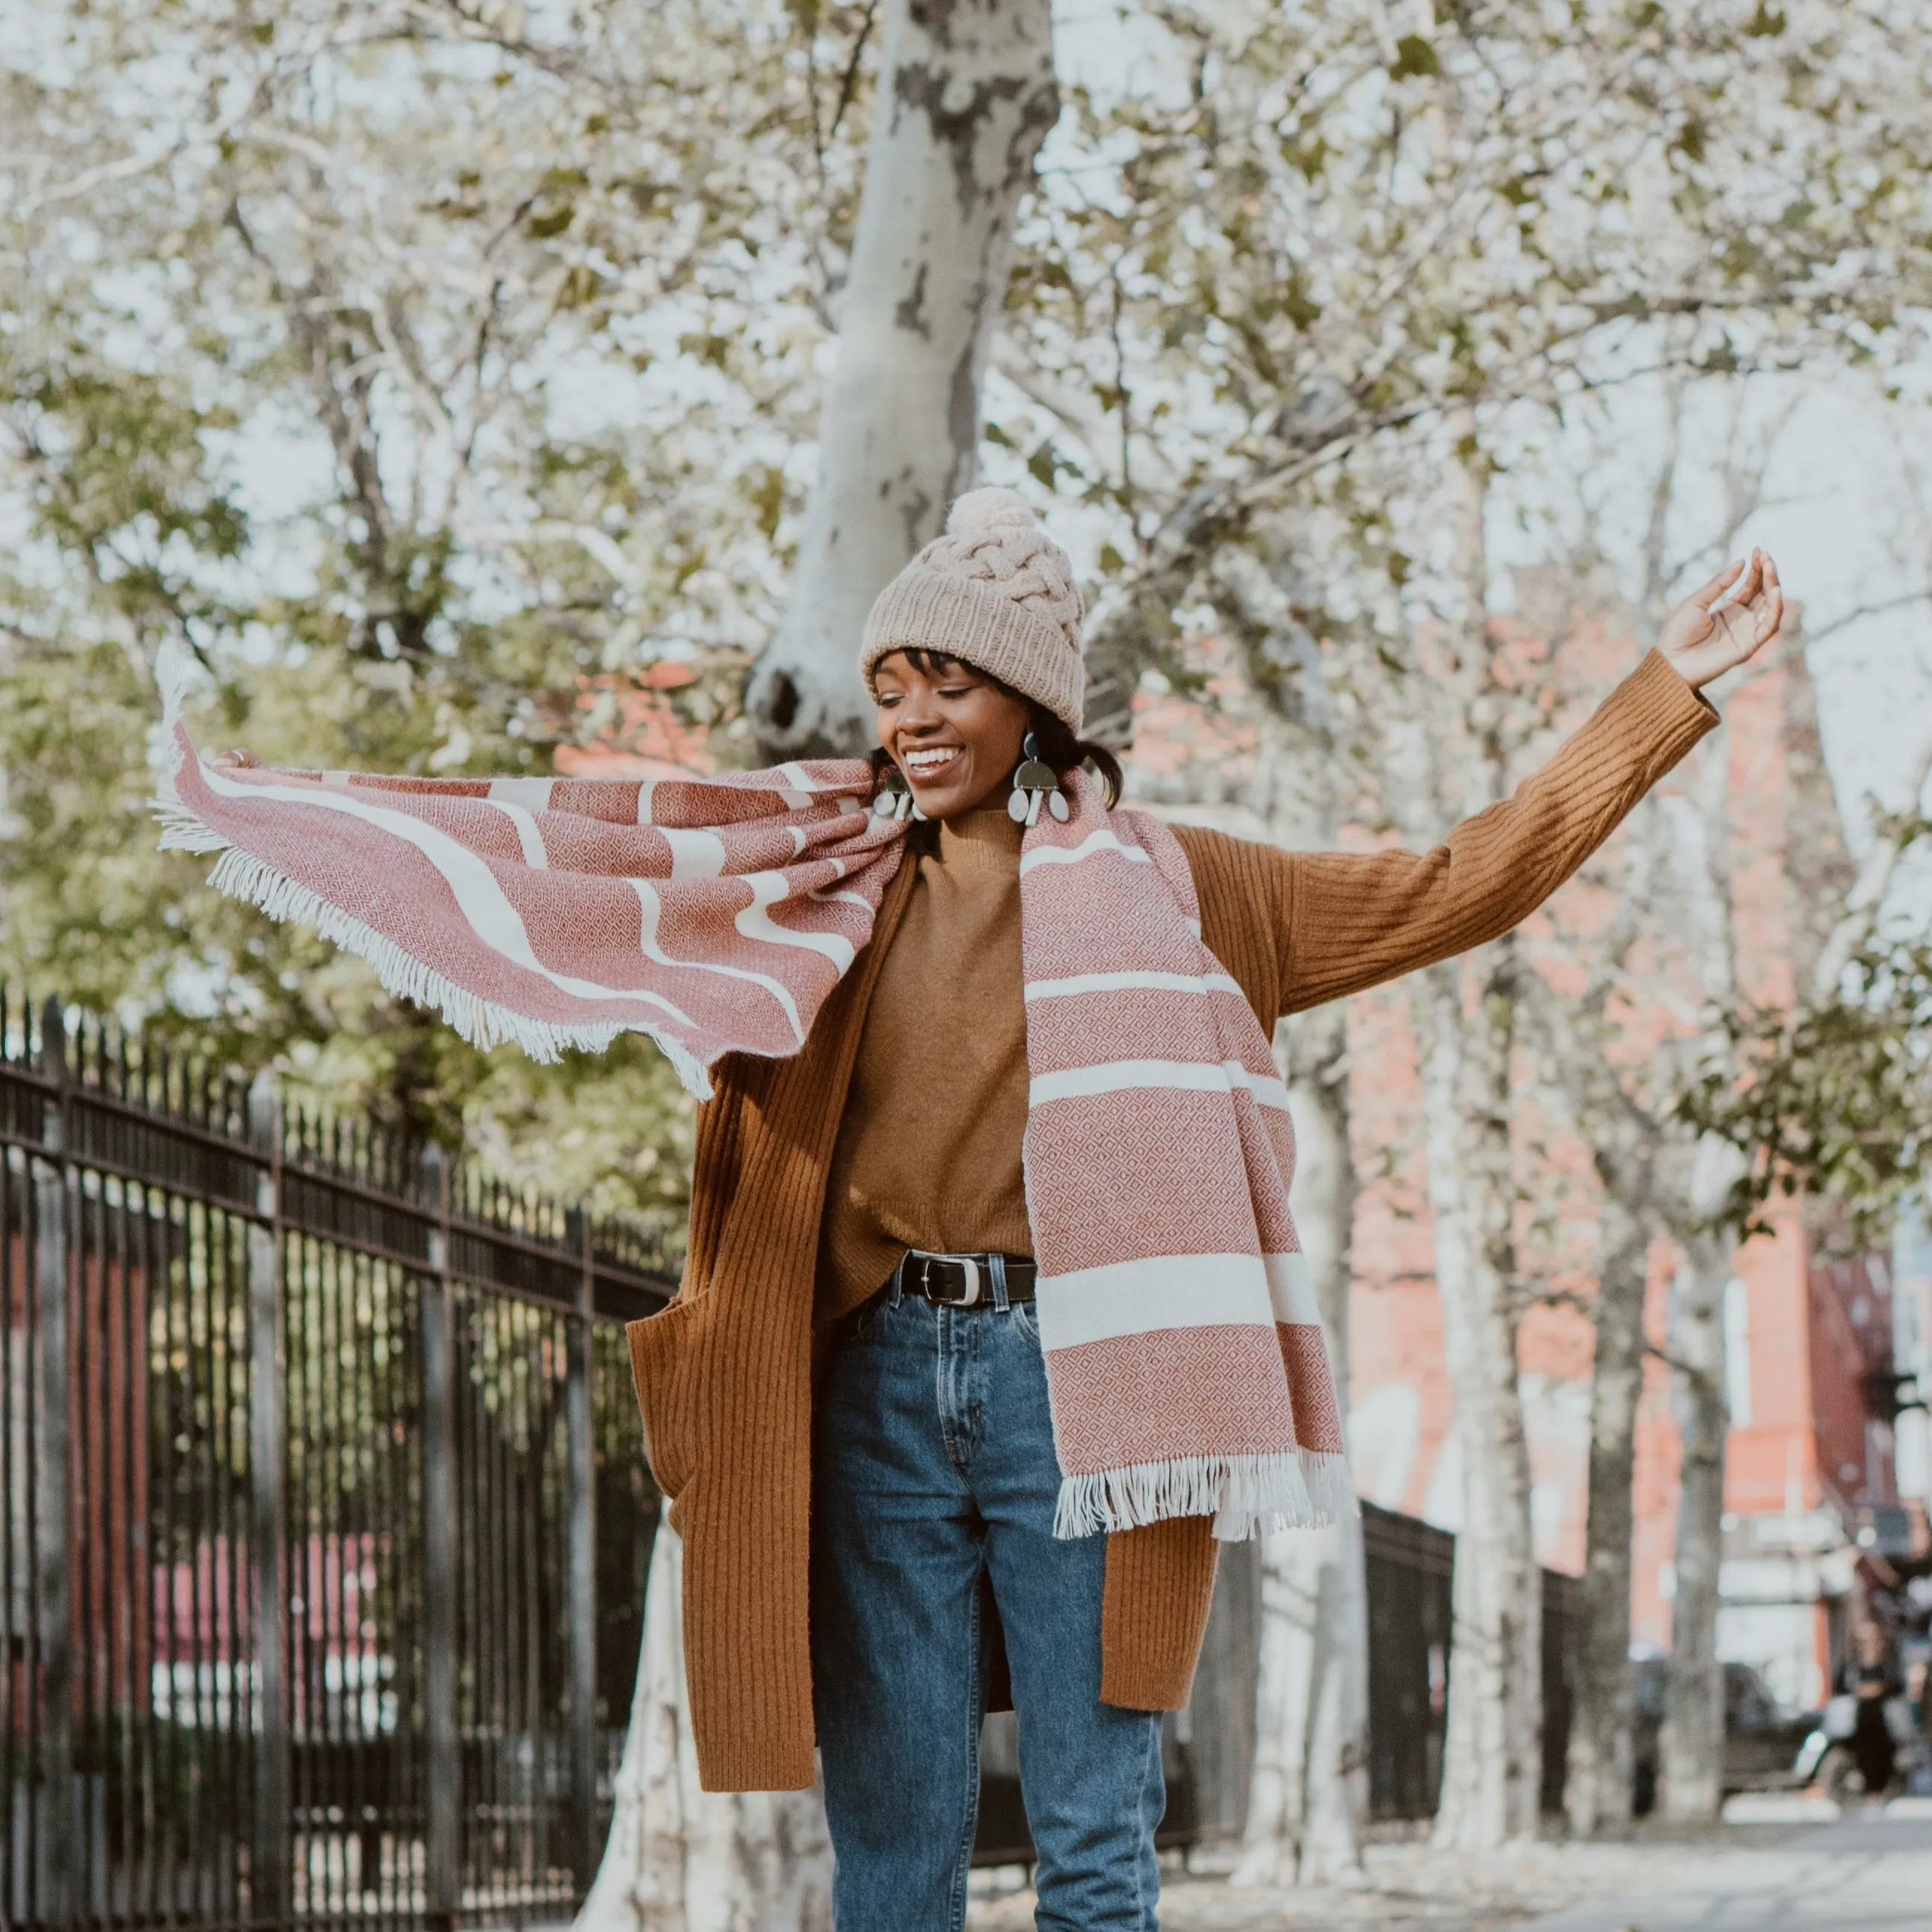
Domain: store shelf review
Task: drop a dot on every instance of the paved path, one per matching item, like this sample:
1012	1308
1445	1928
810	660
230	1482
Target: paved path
1863	1874
1868	1873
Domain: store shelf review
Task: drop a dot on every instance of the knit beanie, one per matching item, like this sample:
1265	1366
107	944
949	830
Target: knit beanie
996	593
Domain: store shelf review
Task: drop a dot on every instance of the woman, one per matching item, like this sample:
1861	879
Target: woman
934	1460
988	1245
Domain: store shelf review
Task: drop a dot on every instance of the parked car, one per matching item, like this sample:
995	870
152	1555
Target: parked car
1762	1739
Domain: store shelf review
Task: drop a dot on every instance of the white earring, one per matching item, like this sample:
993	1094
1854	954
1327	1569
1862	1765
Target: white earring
1034	781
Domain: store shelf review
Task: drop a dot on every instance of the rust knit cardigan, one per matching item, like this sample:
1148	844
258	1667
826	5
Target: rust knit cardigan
725	1373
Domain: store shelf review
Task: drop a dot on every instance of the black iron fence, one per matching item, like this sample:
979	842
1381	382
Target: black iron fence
1411	1567
324	1517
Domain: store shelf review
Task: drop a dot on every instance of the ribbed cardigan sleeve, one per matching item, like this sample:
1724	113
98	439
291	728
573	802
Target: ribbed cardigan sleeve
1297	929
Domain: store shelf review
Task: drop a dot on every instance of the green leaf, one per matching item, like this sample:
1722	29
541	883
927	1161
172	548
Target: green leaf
1414	56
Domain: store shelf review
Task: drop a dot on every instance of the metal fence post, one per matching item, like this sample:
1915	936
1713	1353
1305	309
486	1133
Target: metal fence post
53	1513
442	1849
269	1857
583	1840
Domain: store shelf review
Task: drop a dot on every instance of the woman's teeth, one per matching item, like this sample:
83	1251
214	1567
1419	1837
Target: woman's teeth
925	764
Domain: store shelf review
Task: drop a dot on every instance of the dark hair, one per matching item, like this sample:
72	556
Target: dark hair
1058	746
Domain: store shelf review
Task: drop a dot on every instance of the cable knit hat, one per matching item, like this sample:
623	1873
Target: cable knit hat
995	592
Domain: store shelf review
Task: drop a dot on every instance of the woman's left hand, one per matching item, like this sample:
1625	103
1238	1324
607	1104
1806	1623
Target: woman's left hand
1702	638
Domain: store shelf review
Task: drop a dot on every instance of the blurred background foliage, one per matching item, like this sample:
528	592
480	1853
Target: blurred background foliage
432	373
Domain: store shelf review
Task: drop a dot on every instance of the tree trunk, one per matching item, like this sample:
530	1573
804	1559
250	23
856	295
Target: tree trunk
966	93
1492	1777
1691	1749
1596	1787
1308	1793
680	1859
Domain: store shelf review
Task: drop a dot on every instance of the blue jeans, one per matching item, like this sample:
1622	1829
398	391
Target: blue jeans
933	1464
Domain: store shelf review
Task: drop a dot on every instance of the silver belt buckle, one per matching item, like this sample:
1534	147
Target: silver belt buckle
972	1268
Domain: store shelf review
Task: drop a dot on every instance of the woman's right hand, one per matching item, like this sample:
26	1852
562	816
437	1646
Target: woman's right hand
235	761
1702	638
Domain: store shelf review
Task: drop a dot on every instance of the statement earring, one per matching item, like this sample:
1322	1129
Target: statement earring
894	798
1036	780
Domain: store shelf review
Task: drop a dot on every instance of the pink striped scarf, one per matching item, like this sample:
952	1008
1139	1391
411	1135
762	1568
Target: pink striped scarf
1184	1355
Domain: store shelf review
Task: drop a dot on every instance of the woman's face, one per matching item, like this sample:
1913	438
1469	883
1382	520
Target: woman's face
955	736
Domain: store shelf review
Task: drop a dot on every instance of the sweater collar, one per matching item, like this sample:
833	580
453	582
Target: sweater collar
984	840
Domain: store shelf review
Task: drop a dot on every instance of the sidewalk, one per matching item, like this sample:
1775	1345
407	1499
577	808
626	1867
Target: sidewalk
1871	1873
1864	1873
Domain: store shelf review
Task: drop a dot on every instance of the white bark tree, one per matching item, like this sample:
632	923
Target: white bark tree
1492	1773
683	1859
1432	772
1691	1745
1671	941
965	97
1670	881
1308	1793
1690	1748
1597	1788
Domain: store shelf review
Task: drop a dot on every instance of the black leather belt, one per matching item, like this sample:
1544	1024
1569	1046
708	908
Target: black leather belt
963	1281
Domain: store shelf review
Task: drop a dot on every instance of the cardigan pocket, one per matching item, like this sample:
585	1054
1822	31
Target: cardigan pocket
665	1351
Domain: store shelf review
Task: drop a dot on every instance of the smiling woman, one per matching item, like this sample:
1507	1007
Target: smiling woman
954	732
956	736
994	1317
962	1345
972	649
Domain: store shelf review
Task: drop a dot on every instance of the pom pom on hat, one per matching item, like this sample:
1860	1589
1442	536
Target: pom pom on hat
989	510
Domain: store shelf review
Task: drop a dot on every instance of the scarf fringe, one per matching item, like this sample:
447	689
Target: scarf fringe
483	1023
174	670
1331	1485
1245	1495
241	875
182	831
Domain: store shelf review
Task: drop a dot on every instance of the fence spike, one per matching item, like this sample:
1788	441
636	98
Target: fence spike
53	1041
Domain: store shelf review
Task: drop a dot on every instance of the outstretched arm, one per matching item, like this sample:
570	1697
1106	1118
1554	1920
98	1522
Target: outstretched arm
1301	928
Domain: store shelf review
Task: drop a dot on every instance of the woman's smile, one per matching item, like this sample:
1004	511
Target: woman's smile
928	764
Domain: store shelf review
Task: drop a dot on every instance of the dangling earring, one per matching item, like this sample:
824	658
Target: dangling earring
894	798
1034	781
